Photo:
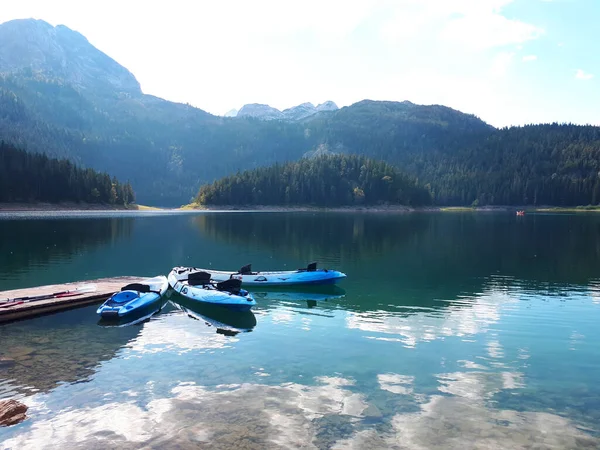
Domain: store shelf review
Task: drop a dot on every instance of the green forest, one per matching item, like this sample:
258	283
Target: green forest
468	162
176	148
322	181
26	177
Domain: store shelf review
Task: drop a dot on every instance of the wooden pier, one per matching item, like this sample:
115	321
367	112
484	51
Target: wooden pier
28	309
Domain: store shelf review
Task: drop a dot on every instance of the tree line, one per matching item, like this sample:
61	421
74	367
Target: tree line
328	180
554	164
34	177
467	162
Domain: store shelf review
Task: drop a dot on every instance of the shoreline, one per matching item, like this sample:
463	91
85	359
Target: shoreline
390	208
384	208
267	208
69	206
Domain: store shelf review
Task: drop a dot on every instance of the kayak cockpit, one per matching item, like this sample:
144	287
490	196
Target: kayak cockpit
201	278
122	298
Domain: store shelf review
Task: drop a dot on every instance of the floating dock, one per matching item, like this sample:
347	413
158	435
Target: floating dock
28	309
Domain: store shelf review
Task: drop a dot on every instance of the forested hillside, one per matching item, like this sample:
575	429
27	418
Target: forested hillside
533	165
466	161
61	96
323	181
26	177
166	149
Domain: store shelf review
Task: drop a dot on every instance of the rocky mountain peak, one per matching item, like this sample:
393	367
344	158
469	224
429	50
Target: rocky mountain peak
260	111
299	112
327	106
59	52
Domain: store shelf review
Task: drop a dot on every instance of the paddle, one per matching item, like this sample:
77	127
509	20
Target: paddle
8	305
77	291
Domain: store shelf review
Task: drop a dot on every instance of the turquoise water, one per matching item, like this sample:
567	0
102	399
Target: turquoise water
451	331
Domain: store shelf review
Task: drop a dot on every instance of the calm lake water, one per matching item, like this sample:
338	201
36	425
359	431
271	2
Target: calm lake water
452	330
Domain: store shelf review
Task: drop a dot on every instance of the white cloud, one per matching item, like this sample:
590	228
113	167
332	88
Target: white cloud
476	24
490	30
529	58
582	75
501	64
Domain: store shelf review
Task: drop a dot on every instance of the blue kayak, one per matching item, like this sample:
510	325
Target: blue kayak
133	297
301	277
197	286
140	315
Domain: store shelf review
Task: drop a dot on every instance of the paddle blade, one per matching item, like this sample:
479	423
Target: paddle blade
85	288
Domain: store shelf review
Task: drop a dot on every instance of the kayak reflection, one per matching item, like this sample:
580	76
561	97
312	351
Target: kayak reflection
305	294
226	321
311	296
142	315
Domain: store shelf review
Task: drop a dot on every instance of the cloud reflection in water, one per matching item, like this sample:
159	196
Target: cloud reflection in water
459	319
326	415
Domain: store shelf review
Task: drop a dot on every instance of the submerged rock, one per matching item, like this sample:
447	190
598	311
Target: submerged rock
12	412
5	362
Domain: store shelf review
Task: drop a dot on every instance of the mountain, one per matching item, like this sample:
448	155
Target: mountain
260	111
327	106
295	113
34	46
61	96
466	161
299	112
231	113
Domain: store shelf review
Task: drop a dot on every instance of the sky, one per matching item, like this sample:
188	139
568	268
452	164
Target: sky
510	62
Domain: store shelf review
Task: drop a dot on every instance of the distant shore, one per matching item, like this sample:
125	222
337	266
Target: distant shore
389	208
380	208
72	206
274	208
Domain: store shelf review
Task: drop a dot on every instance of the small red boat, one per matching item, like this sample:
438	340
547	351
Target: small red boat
520	213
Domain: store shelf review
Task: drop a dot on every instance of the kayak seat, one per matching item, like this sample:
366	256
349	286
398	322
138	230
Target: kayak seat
232	286
246	270
312	267
143	288
198	278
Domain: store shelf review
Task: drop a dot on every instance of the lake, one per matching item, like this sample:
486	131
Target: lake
452	330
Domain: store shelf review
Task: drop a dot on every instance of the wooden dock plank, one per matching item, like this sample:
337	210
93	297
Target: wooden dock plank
104	288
